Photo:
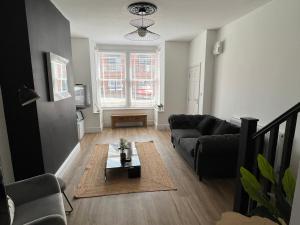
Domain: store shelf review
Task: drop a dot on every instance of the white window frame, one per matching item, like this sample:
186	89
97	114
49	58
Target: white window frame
151	80
128	85
99	69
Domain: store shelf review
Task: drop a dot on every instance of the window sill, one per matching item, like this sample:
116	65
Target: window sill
126	108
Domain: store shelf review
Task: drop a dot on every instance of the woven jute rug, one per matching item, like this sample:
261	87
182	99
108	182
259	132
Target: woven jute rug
154	175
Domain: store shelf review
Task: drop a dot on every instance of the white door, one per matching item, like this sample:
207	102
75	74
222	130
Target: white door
194	90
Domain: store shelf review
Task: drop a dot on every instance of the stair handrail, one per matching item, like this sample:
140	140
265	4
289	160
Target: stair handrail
278	120
252	143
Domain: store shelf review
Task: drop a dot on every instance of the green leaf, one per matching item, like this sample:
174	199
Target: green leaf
265	168
254	189
283	207
289	184
249	181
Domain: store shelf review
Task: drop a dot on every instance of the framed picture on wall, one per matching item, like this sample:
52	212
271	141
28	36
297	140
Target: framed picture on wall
58	77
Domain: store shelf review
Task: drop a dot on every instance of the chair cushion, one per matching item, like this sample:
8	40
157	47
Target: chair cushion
226	128
62	184
189	144
206	125
42	207
177	134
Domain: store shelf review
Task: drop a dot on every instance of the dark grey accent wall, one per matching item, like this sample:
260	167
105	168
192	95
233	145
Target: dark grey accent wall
42	134
21	122
49	31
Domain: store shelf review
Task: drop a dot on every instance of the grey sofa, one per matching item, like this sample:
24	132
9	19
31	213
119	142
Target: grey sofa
208	144
38	201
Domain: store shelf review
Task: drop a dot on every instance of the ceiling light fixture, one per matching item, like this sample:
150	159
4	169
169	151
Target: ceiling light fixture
142	8
142	33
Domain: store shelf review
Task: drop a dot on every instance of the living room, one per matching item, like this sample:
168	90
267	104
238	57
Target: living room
149	78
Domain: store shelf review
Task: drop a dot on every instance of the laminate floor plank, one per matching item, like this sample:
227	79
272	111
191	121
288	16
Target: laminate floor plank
194	202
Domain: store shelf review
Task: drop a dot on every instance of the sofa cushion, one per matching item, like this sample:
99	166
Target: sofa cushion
181	121
189	144
42	207
177	134
206	124
226	128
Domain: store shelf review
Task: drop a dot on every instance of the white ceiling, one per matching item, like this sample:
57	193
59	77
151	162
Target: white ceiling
106	21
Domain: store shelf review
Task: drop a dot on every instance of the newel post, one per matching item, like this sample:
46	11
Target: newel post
245	159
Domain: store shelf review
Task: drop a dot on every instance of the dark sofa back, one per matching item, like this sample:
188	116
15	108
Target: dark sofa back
210	125
183	121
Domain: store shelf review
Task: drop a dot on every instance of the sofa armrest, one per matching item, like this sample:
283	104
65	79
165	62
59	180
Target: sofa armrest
182	121
218	145
33	188
216	155
49	220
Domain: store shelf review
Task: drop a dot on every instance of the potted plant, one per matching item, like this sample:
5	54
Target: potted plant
123	146
277	204
160	107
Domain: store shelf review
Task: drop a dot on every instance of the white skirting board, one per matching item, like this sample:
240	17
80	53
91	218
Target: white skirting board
67	162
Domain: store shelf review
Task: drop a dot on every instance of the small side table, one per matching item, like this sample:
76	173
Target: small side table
62	186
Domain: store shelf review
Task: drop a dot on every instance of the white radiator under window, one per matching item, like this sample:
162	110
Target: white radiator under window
236	120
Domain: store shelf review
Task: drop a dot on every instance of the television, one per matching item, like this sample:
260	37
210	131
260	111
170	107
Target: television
82	96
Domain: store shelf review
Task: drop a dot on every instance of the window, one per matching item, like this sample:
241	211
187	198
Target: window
112	63
142	78
122	85
112	79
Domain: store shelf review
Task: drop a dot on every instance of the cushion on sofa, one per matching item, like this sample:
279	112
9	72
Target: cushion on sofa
206	124
182	121
177	134
225	128
189	144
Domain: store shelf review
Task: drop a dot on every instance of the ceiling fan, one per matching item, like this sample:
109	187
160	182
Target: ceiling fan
142	33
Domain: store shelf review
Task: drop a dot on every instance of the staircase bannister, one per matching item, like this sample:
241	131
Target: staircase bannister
246	152
282	118
288	144
252	143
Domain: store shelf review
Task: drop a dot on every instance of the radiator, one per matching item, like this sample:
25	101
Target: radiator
236	120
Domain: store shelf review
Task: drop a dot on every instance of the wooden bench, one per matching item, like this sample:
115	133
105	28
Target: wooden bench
128	118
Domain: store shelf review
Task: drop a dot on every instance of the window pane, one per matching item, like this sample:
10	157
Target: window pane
112	79
142	78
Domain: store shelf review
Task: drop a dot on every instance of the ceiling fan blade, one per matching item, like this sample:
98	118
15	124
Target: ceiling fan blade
134	36
141	23
152	36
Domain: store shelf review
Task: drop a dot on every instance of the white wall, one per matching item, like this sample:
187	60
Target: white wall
176	76
83	67
258	73
161	98
197	49
201	53
5	157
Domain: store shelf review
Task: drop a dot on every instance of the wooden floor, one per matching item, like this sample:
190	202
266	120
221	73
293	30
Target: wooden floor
193	203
